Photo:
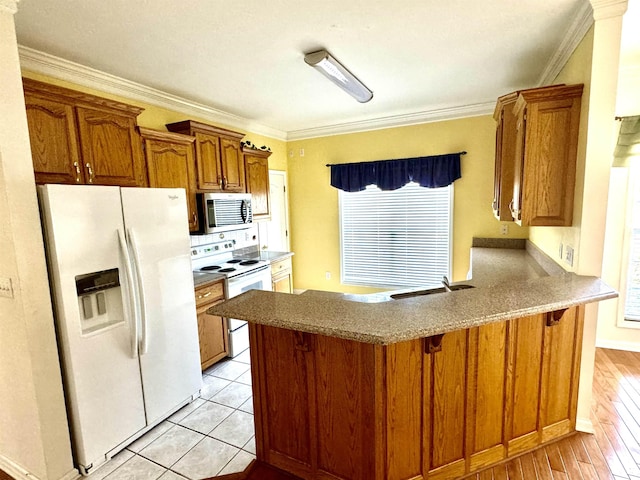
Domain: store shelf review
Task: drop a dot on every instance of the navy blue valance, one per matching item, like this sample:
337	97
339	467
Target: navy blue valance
432	172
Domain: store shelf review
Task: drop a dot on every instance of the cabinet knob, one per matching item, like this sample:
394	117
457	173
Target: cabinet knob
194	219
224	182
77	166
219	180
88	165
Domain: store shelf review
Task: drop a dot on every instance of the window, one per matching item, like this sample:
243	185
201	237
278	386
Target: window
398	238
632	297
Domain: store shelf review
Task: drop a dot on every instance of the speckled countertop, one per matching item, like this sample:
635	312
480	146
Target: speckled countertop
509	284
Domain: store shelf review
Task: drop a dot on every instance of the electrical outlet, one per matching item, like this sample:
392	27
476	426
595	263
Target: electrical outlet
302	152
327	275
504	229
6	290
568	257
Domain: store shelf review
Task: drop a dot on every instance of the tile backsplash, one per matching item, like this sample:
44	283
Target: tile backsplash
244	238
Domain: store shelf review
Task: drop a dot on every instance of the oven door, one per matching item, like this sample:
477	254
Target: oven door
259	279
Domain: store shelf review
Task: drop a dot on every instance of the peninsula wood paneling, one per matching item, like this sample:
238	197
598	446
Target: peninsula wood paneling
445	398
286	415
487	371
523	382
404	400
344	388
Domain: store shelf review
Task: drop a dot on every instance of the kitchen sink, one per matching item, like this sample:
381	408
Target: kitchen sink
431	291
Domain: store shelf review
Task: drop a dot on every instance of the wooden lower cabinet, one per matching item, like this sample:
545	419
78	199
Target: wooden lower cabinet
437	408
282	276
212	329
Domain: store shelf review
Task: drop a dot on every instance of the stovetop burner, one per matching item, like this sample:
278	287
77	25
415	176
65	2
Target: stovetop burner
211	267
226	270
248	262
235	260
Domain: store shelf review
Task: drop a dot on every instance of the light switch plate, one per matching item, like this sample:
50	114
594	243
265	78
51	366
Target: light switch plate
6	290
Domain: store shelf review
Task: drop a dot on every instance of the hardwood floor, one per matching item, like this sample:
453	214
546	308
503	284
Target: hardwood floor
612	453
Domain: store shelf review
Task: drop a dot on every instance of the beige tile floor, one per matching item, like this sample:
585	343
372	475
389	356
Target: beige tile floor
213	435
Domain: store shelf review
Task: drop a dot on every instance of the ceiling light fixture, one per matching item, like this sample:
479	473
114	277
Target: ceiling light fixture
334	71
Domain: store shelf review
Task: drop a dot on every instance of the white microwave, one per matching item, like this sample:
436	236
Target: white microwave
223	212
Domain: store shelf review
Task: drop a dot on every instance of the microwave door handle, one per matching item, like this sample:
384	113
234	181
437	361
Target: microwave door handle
243	211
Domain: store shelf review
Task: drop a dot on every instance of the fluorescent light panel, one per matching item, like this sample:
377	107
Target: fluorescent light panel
334	71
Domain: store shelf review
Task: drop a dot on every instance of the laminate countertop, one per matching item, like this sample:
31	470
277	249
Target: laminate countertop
509	283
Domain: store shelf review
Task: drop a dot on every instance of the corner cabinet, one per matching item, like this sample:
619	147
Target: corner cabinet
170	164
256	169
212	329
539	131
78	138
219	161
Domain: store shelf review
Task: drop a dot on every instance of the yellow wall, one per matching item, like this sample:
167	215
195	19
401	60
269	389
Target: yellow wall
157	117
314	203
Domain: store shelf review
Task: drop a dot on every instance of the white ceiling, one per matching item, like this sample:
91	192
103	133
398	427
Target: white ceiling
246	57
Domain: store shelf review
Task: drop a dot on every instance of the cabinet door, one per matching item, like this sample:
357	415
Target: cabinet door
208	162
232	165
282	283
110	149
445	374
257	176
212	335
561	363
171	165
517	197
54	144
550	161
505	158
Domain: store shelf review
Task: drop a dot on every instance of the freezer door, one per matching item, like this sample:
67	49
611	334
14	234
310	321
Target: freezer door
101	372
158	233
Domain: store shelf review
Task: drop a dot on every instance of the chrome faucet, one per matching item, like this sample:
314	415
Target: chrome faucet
445	282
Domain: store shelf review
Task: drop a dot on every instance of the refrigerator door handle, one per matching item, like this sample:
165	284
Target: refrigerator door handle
131	294
143	314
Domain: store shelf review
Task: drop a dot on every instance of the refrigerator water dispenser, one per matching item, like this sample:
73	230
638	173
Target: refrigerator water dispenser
99	299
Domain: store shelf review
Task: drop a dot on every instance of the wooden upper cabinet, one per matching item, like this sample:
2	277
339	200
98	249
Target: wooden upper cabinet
545	148
220	166
54	143
170	164
256	168
81	138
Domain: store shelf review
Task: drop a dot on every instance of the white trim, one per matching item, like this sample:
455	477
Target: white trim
45	64
618	345
10	6
20	473
603	9
584	424
438	115
576	32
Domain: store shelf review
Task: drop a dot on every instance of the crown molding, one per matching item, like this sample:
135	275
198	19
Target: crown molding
46	64
439	115
603	9
10	6
576	32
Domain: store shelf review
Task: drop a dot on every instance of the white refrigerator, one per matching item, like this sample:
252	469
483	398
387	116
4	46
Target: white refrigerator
122	286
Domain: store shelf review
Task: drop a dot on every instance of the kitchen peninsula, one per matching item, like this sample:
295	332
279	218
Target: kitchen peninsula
431	386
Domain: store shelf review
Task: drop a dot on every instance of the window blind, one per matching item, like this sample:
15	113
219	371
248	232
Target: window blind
398	238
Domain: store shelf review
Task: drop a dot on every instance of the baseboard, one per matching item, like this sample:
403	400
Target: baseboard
20	473
618	345
584	424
